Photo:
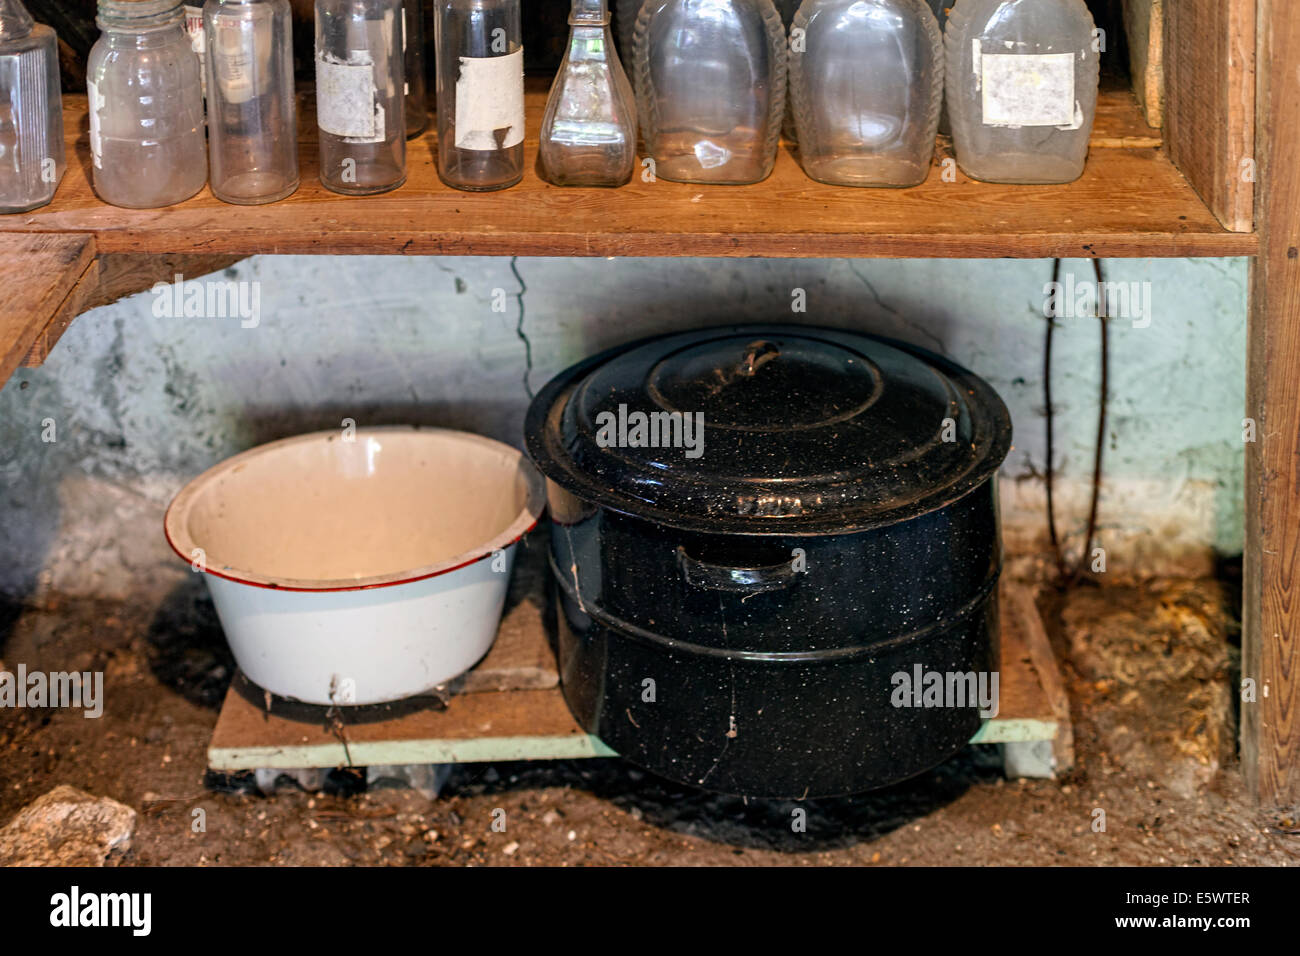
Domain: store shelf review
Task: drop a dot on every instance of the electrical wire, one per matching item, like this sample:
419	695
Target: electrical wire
1068	577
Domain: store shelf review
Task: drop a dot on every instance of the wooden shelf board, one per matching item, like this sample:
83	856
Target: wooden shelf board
1131	202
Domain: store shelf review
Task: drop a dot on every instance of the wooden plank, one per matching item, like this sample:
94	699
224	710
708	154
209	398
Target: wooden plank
37	274
1270	725
532	724
77	302
1130	202
1022	612
1210	102
1144	26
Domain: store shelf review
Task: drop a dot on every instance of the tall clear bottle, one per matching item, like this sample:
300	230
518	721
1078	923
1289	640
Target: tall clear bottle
480	63
588	135
417	90
1022	88
31	111
252	114
710	82
866	84
360	95
146	106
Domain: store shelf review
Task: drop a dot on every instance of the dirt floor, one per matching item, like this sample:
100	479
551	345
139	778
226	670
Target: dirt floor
1151	671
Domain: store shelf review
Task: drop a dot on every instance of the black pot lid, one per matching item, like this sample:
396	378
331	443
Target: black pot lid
805	430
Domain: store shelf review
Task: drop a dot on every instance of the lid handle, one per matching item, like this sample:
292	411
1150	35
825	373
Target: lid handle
717	577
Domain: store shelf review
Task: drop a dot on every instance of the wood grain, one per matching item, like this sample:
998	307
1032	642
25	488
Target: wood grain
1130	202
1270	727
1144	26
1210	102
37	274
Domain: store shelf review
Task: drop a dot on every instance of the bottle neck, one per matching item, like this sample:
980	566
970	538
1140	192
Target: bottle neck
589	13
15	22
139	16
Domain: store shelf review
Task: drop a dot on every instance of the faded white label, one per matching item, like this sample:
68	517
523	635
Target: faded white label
490	102
346	104
95	100
1028	89
234	43
198	41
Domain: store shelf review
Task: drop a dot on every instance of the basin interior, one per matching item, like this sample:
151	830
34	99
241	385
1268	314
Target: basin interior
326	509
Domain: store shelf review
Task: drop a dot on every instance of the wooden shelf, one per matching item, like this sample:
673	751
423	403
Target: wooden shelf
1131	202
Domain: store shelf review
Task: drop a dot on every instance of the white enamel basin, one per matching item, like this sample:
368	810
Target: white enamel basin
361	569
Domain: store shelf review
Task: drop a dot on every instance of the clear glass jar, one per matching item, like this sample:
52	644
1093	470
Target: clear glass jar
710	82
32	159
417	90
1022	88
480	63
252	114
866	84
588	135
146	106
360	95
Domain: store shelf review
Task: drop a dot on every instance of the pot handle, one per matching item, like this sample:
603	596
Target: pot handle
717	577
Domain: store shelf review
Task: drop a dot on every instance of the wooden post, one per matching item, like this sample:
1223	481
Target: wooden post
1270	726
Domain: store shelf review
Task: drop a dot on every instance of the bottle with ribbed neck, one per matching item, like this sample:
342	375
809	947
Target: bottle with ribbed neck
31	132
146	106
588	135
1022	88
866	84
710	85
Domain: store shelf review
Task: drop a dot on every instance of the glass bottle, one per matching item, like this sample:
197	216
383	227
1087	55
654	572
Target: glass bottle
360	95
588	135
1022	88
866	83
252	115
711	88
146	106
480	89
417	91
31	111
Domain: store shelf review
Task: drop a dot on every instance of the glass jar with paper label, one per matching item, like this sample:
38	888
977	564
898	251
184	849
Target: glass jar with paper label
31	111
361	95
710	85
252	117
480	91
588	135
146	106
866	84
1022	88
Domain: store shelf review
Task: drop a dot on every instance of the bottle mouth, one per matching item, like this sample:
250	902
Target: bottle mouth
138	13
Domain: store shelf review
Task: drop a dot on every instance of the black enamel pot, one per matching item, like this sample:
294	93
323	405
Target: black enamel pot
757	530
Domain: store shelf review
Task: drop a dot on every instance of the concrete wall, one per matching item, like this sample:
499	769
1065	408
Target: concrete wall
141	402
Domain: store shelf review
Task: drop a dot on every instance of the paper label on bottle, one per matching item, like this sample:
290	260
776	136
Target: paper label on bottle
235	43
1028	89
346	100
198	41
490	102
95	100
